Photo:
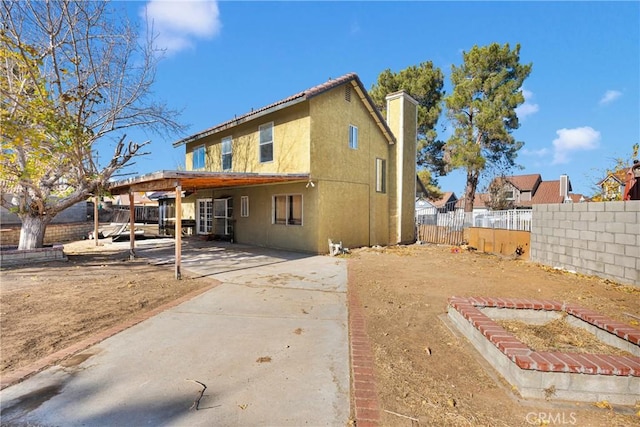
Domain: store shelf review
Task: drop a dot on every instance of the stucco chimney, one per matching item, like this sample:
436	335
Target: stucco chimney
564	187
402	118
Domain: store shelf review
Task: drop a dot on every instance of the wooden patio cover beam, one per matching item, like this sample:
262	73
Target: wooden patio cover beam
193	180
178	181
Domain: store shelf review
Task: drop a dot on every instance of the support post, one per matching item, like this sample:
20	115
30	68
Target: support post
132	226
95	219
178	230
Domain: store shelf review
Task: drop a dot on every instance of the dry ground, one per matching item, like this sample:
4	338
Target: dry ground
404	292
48	307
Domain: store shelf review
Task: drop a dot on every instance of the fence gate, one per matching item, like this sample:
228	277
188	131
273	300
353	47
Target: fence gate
442	225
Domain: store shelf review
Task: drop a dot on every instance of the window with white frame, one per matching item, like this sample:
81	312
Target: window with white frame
197	160
287	209
204	216
226	154
266	143
353	137
509	195
244	206
381	175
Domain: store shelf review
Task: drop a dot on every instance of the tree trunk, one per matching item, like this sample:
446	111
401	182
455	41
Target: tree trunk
470	191
32	232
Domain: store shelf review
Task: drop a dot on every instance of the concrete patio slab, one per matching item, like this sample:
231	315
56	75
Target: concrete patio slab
270	344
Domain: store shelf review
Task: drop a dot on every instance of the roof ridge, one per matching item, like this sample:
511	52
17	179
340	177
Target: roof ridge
305	94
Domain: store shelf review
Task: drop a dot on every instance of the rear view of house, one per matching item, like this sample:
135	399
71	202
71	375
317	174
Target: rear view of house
321	164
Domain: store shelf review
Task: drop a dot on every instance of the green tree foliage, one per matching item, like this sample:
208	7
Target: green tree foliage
424	83
486	92
72	73
433	191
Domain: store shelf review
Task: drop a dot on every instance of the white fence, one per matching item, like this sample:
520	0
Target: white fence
513	219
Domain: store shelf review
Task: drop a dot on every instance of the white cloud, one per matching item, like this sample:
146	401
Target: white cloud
179	23
527	108
610	96
537	153
576	139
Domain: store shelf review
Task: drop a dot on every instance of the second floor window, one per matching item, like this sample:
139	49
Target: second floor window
226	154
197	162
266	143
353	137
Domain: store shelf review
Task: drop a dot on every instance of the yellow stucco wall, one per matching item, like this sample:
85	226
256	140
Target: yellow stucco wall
290	144
352	211
258	228
313	137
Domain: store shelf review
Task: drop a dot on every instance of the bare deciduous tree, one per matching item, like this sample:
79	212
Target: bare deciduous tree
73	73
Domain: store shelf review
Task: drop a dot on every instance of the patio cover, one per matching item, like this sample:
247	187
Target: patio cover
179	181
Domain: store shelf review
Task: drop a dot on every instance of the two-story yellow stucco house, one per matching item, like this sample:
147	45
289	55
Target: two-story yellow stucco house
321	164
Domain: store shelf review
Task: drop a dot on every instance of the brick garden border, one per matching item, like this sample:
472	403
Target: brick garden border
578	373
365	404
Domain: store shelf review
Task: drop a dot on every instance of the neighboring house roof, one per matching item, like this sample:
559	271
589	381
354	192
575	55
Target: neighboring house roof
577	198
300	97
542	192
424	204
447	197
547	192
420	188
618	176
479	201
525	182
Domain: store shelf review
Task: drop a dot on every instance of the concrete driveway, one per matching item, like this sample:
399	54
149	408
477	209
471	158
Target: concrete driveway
270	344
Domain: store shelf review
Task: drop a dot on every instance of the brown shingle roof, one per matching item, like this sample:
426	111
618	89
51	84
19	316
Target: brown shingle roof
481	200
547	192
525	182
299	97
447	197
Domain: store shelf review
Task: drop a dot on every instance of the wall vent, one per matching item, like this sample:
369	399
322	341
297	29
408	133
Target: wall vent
347	93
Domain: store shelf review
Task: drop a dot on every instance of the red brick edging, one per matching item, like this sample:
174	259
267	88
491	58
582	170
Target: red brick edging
25	372
363	384
550	361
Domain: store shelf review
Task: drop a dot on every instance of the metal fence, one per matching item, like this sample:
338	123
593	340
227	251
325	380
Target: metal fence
445	224
512	219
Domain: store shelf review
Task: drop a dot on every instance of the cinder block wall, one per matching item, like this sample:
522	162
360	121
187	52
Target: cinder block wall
600	239
76	213
55	233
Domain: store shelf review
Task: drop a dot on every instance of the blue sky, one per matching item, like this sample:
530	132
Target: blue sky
582	105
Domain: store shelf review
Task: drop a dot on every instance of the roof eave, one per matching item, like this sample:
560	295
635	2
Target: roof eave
238	121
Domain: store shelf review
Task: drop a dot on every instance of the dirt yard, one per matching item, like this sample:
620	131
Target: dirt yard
48	307
424	370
